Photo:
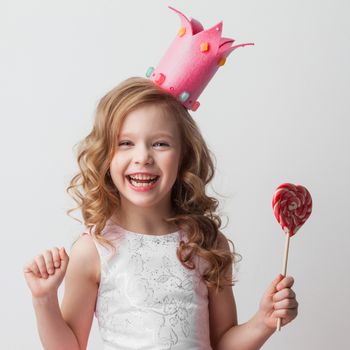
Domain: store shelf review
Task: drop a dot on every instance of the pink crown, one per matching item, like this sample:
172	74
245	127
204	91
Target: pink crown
192	60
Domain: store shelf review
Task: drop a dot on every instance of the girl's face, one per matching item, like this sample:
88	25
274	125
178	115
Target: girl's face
146	160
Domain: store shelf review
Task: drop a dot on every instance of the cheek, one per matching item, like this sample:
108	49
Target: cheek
171	164
117	165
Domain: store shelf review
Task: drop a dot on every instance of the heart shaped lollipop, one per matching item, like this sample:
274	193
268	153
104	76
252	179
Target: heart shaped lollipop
292	206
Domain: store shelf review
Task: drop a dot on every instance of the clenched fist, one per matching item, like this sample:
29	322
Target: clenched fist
45	273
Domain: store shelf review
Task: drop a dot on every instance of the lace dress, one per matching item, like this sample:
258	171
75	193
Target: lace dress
147	299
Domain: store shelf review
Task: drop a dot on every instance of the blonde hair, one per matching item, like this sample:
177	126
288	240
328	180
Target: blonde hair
96	195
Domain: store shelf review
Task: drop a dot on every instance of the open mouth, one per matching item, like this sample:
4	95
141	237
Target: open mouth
142	183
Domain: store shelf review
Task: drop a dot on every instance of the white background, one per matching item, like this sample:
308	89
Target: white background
276	112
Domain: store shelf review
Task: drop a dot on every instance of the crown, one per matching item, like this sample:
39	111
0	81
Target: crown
192	60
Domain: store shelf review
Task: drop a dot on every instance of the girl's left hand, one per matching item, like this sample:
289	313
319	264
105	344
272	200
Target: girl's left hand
279	301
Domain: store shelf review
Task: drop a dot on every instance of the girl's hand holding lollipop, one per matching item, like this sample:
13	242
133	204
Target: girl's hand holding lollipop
278	302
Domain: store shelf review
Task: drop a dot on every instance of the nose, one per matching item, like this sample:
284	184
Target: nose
143	155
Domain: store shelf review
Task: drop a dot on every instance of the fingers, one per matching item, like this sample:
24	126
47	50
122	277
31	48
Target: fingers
41	264
286	293
63	254
286	304
48	263
272	288
64	258
45	264
286	282
56	258
286	315
284	301
32	267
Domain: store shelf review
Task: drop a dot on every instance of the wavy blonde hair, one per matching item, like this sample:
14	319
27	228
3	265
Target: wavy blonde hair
96	195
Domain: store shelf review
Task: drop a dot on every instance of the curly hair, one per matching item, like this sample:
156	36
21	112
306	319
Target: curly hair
195	212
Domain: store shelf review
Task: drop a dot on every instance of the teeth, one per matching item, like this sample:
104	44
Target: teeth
139	184
142	177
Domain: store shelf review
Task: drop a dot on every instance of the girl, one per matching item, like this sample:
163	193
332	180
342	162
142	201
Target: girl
152	264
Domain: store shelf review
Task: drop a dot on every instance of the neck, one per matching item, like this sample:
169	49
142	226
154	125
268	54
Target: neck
145	220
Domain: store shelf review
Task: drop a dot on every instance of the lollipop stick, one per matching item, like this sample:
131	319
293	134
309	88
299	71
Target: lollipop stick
284	268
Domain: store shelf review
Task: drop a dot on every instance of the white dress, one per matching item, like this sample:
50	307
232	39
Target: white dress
147	299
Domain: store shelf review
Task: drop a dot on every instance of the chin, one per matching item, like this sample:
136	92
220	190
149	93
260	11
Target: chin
144	203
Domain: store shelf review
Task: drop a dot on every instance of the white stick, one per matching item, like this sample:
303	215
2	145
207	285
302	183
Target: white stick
284	268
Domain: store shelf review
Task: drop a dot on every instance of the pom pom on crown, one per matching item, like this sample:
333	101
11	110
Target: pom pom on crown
192	60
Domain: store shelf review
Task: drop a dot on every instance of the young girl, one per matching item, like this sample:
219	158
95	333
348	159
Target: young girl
152	265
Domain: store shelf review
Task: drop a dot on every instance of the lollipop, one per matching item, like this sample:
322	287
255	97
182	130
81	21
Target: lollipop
292	205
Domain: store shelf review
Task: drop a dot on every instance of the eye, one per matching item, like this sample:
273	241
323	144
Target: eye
160	144
125	143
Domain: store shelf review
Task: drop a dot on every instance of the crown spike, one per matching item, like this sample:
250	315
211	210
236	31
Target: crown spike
226	52
217	27
242	45
226	41
196	26
184	20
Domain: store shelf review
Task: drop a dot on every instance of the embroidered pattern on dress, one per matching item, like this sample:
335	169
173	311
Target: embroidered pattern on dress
152	292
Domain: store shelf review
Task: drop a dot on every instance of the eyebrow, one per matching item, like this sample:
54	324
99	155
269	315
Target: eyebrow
158	134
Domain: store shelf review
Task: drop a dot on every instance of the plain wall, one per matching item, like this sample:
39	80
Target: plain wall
276	112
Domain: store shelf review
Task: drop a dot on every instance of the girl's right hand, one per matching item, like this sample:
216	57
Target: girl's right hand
45	273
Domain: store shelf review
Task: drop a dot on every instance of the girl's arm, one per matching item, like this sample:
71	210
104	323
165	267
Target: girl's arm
226	334
53	331
68	327
247	336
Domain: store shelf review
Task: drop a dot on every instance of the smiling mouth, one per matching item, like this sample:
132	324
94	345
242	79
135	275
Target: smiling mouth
142	183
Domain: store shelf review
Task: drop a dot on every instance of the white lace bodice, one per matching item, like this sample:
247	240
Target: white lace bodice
147	299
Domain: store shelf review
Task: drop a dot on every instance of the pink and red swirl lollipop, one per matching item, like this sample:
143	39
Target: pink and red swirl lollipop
292	206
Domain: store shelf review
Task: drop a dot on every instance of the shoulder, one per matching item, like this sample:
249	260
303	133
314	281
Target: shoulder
85	257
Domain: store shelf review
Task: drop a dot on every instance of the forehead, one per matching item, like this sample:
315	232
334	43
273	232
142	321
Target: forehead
149	119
